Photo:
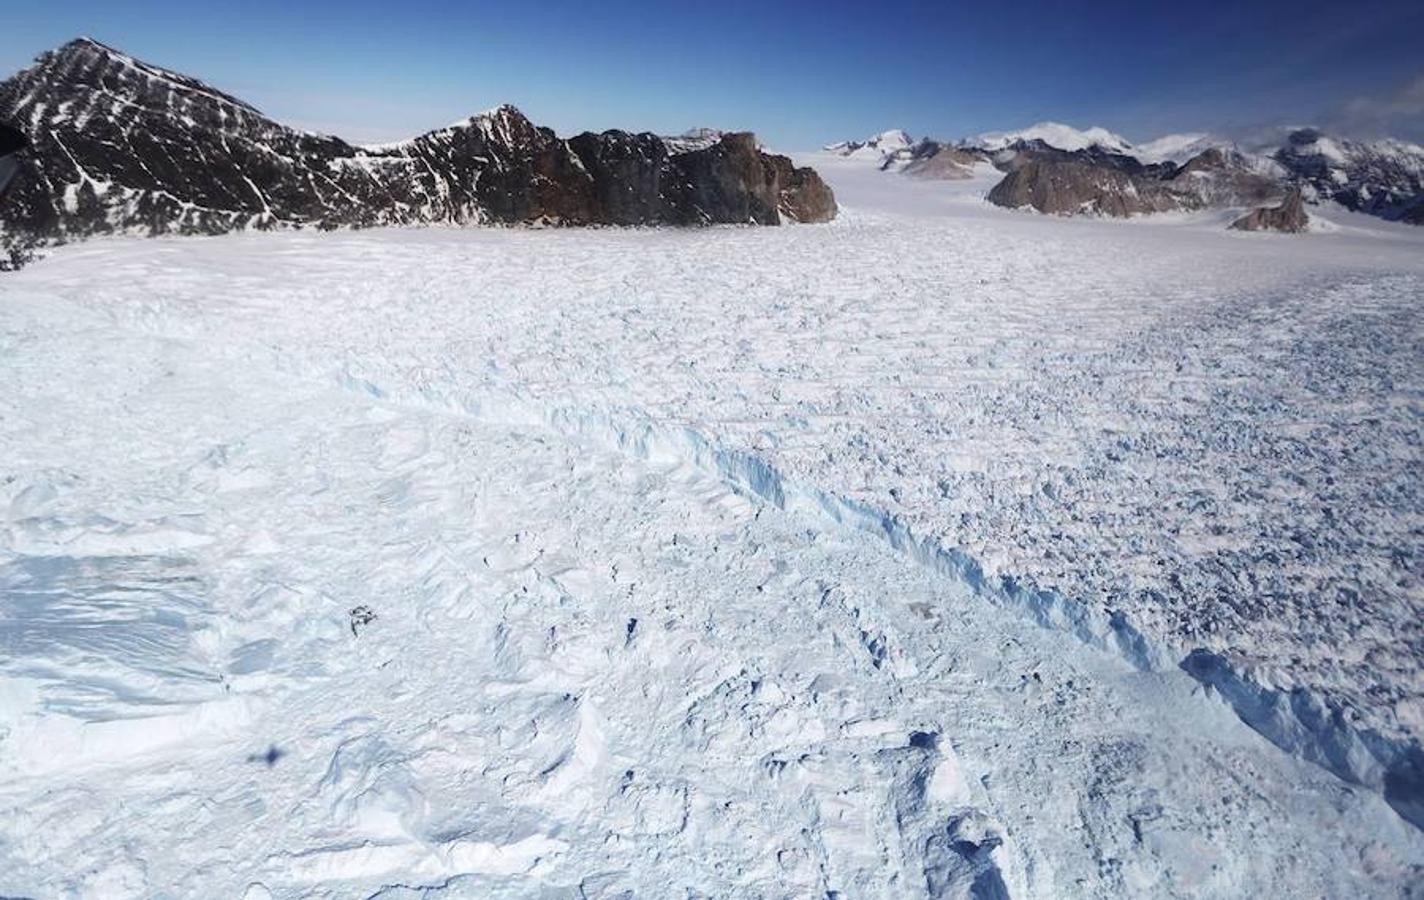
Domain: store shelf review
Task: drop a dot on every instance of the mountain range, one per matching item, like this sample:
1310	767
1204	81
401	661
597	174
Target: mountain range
1055	168
122	146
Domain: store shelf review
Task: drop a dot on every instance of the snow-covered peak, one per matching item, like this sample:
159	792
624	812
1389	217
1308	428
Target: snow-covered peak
874	148
1341	152
1178	148
1054	134
894	139
1383	177
1385	160
495	113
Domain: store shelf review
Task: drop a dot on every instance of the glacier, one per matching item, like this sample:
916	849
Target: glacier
936	551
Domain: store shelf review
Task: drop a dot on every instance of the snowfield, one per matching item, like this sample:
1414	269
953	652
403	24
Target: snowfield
938	551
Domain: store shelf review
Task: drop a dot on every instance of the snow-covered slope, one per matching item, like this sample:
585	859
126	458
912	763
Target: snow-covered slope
1054	134
693	139
859	559
1178	148
884	142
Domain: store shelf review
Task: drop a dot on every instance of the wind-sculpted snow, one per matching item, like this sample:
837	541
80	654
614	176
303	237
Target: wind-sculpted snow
507	563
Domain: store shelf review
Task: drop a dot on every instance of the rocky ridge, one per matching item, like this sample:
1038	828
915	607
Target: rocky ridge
1100	182
1057	169
1382	178
122	146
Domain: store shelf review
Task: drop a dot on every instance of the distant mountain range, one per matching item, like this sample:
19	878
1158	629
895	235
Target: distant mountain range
1054	134
1055	168
119	145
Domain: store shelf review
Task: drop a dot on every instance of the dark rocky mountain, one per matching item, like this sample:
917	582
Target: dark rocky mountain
119	145
11	143
1093	181
1101	182
1290	216
1382	178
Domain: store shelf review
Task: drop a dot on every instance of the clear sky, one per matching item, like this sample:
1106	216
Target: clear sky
799	73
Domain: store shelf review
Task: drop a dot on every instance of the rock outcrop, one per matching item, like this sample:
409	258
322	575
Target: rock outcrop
1221	177
1289	217
1079	182
936	161
802	195
1094	181
119	145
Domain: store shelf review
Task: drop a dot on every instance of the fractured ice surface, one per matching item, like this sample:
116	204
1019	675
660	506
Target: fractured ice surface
712	562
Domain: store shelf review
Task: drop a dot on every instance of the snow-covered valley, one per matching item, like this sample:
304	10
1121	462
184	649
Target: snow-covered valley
848	560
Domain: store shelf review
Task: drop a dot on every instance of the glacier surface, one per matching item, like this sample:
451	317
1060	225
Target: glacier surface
938	551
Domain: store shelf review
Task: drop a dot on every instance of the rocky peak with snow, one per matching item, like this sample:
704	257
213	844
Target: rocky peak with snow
1381	177
120	145
887	150
1057	168
884	142
1060	169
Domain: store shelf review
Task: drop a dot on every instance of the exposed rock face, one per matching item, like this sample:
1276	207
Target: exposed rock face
120	145
934	160
803	196
1221	177
1382	178
11	143
1289	217
1070	186
1098	182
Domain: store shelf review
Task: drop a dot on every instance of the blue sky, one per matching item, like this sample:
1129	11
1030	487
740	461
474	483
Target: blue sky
798	73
